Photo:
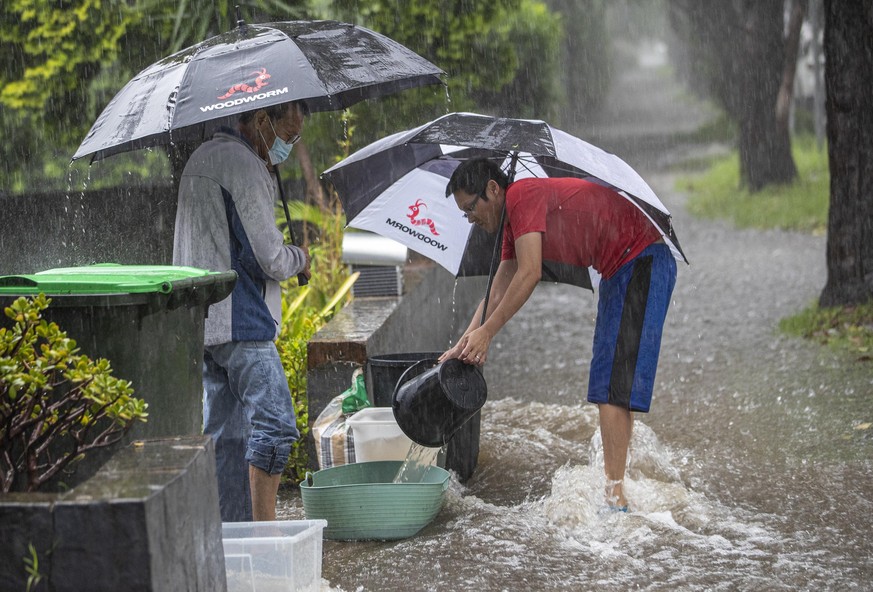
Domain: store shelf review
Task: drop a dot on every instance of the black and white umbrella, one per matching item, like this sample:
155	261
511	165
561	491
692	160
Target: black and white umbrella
395	187
328	64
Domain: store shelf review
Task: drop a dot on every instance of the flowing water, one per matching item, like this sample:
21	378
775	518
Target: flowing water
754	470
418	459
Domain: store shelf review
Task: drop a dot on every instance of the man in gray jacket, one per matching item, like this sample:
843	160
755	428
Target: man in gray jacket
225	220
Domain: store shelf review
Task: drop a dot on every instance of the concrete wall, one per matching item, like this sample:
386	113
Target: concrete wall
148	521
132	226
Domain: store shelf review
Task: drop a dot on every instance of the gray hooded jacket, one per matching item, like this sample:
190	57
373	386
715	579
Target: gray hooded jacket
225	220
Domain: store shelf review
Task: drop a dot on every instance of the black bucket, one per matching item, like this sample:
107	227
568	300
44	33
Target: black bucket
386	369
431	405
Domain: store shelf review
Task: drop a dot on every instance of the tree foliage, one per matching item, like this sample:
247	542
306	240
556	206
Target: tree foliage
49	52
55	46
586	59
532	36
500	56
63	61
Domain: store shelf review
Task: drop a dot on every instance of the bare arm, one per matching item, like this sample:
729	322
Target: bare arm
502	278
513	284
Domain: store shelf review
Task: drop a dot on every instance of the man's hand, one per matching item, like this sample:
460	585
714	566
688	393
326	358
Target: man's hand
476	350
306	270
472	348
454	352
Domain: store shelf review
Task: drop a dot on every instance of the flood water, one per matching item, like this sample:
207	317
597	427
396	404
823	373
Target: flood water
752	472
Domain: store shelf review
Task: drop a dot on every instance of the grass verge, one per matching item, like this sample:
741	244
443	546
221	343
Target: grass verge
801	206
848	328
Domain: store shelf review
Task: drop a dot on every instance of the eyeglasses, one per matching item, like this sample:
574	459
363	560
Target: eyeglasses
468	209
293	140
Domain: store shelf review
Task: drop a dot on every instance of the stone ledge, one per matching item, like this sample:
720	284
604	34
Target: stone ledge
345	337
148	521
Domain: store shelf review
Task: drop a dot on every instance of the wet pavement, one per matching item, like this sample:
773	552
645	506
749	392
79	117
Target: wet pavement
754	470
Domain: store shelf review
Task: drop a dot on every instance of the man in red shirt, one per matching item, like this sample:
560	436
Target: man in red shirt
575	222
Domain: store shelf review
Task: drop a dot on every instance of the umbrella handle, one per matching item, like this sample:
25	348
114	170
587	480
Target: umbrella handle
302	280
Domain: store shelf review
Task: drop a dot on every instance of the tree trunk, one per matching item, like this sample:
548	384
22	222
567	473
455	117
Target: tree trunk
314	193
789	67
739	50
848	44
765	145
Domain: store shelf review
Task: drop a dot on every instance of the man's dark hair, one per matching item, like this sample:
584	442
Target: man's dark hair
275	112
472	177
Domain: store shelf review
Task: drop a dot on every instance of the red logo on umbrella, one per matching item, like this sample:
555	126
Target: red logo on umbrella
413	217
260	82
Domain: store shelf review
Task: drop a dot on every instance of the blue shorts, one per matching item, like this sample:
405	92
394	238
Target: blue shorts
631	310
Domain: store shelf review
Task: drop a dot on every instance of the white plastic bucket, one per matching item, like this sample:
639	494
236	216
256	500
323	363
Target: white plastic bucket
377	435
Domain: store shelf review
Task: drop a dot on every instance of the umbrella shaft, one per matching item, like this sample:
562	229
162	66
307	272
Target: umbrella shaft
302	280
495	256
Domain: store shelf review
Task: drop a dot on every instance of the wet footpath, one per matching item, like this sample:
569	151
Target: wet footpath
754	470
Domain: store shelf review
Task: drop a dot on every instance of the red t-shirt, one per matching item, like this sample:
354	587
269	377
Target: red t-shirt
582	223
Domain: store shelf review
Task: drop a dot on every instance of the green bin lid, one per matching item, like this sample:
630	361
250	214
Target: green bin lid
101	278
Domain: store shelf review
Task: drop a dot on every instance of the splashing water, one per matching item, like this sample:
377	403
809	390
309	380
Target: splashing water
533	517
418	460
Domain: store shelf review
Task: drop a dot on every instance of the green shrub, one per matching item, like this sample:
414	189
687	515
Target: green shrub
55	404
292	351
306	309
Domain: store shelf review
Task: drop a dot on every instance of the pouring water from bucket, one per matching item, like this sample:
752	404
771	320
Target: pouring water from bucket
431	406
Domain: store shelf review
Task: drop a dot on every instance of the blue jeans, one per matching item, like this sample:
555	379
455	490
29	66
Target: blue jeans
247	409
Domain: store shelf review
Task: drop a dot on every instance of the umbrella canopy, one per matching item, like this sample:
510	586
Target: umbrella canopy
395	186
183	97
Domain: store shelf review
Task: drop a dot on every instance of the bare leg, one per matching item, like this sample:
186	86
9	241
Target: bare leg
265	488
616	424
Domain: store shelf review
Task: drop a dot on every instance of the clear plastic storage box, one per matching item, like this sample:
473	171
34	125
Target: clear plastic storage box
273	556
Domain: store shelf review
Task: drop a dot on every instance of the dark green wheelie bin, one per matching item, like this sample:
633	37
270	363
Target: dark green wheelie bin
146	320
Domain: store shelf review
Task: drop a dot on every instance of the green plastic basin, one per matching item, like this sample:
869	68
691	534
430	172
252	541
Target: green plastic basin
360	502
